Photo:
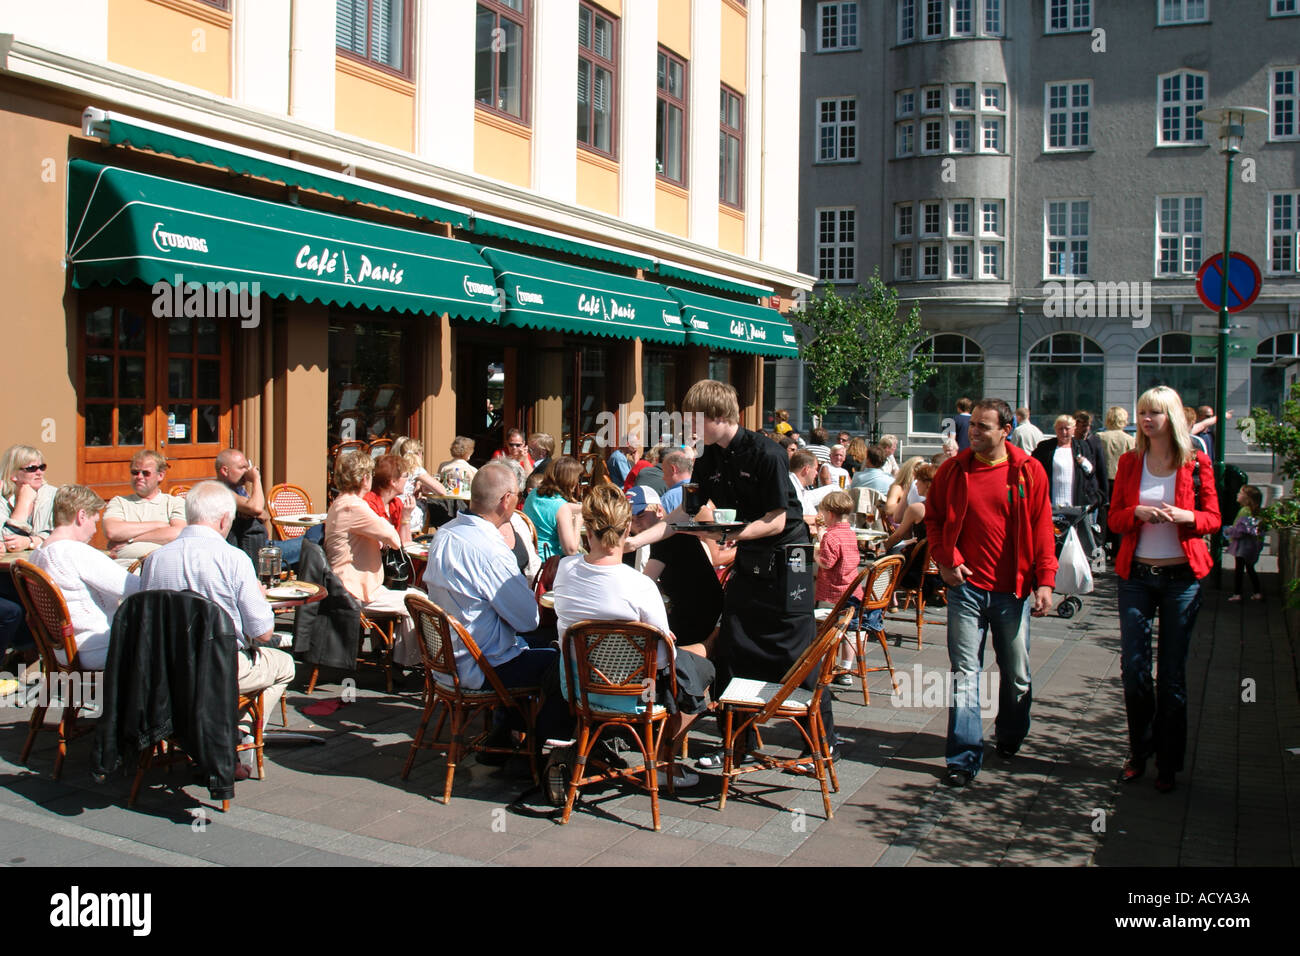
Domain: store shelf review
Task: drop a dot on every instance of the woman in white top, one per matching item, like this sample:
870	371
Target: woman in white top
26	501
598	586
93	584
1062	474
457	469
901	490
418	482
889	445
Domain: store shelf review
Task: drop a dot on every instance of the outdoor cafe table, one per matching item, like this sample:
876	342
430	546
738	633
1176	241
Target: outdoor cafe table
299	521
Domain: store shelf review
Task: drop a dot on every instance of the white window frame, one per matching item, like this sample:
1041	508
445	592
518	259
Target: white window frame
936	249
929	93
932	122
999	213
905	132
904	103
1069	238
961	251
838	45
964	121
1069	112
906	21
904	215
996	249
1186	107
1075	10
838	127
1275	8
1289	233
837	246
1188	261
904	272
926	15
996	125
964	207
1000	91
969	7
1163	9
956	88
1275	100
923	216
993	18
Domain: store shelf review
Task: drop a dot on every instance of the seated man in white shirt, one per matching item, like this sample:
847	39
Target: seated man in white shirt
474	577
137	523
200	560
93	585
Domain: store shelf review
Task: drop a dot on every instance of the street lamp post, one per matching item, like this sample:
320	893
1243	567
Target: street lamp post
1020	355
1232	122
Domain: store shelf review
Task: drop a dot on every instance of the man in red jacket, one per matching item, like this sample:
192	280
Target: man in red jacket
989	523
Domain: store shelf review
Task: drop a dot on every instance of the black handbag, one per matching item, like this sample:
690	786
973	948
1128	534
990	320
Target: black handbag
399	572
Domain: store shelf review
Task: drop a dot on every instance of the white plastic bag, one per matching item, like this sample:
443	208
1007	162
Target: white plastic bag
1074	576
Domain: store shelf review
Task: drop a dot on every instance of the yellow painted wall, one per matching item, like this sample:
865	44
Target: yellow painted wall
671	209
731	230
733	47
502	150
181	40
611	6
597	183
675	26
371	104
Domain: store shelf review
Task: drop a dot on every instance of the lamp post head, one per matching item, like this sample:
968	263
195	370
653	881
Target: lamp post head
1232	122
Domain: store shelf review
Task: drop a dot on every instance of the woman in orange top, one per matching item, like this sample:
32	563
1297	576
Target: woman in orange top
354	536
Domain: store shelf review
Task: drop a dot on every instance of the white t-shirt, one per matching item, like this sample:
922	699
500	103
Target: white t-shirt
607	592
836	474
802	492
1157	540
93	585
914	494
1063	477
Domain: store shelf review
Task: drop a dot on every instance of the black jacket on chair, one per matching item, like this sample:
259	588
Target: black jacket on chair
326	633
171	672
1089	489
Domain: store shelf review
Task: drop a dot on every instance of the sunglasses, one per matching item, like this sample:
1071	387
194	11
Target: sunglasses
141	473
32	469
516	444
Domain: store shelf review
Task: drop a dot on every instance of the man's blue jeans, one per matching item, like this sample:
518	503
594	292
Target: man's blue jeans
1157	715
972	614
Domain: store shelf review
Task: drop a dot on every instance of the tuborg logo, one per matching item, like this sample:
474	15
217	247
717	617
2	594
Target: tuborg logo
473	288
672	318
528	298
167	241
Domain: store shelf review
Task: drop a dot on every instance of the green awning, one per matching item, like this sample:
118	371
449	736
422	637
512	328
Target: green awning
125	226
120	132
489	228
735	326
734	286
543	294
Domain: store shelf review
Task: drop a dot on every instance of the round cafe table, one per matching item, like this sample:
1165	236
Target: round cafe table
281	600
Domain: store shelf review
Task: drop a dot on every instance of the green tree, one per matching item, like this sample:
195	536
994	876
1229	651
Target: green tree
857	348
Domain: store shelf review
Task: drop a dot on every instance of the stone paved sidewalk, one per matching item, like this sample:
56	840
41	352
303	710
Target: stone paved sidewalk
1057	803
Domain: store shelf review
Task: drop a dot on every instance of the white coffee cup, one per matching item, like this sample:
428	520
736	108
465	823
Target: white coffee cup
724	515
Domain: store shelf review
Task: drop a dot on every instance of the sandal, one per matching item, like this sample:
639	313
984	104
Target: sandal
1257	597
1235	599
1133	769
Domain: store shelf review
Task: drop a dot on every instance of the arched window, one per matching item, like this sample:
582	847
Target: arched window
1065	374
960	364
1268	371
1169	360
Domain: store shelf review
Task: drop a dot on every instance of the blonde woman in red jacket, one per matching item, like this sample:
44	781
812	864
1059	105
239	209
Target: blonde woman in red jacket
1162	502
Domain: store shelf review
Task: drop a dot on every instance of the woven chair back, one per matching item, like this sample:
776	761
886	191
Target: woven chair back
884	577
617	659
47	616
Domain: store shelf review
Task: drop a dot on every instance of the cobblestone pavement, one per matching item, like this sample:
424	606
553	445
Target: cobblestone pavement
1056	803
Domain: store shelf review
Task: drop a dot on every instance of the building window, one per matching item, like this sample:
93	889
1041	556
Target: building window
934	18
1065	372
1284	8
963	97
903	221
931	136
1182	96
1068	109
904	103
991	260
837	244
375	31
930	255
963	18
993	18
903	263
596	77
1174	12
1168	360
930	218
959	217
1268	371
1179	234
500	50
992	98
906	21
1066	15
961	134
1282	223
837	26
959	373
905	139
932	99
991	217
837	130
959	266
1067	237
991	141
670	118
731	139
1282	103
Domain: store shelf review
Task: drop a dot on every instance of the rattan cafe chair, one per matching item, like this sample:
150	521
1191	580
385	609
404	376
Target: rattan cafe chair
878	590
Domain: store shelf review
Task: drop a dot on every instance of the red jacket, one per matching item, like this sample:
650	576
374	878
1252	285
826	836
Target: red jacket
1124	497
1031	531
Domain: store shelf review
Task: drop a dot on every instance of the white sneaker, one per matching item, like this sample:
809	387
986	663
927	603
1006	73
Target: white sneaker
683	778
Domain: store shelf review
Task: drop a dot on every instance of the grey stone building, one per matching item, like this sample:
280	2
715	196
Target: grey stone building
1000	158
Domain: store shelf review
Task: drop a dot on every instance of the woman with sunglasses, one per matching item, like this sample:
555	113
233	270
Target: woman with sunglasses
517	449
26	501
1162	504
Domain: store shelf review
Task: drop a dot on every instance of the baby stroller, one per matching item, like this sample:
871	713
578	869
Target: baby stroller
1075	553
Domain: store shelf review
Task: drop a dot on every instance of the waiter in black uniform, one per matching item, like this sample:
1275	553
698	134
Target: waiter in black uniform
767	615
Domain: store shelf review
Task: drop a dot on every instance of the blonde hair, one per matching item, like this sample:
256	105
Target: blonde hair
1164	399
837	503
411	451
158	459
1116	417
607	514
71	499
16	457
904	476
857	450
891	440
713	399
1062	419
351	471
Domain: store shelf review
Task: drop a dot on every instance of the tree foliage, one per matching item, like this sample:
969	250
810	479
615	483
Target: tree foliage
858	348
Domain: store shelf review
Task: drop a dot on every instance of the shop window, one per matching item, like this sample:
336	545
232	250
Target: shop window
1268	371
375	31
1066	373
959	373
1169	360
367	376
501	57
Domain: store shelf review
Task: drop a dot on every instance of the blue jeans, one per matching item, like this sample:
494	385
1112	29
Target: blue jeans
972	614
1157	715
